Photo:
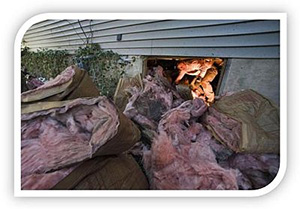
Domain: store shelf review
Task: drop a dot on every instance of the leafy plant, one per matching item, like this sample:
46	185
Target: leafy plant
45	63
105	67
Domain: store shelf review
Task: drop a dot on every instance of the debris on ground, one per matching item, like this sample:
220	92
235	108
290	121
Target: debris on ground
181	156
72	83
147	105
119	172
122	93
28	81
60	134
157	134
187	150
246	122
257	169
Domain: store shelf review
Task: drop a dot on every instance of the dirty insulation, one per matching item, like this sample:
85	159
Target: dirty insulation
149	137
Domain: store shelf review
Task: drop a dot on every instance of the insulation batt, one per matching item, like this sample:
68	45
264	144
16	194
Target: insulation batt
45	180
226	127
63	78
33	83
181	156
145	107
246	122
257	169
61	137
184	154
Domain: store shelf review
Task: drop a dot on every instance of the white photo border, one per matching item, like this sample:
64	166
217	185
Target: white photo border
150	193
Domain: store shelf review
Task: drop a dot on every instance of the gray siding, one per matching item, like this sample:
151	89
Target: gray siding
210	38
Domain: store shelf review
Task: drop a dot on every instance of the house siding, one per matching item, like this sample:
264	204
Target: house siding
192	38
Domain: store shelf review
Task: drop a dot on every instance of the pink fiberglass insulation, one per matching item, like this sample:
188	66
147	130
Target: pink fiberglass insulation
34	83
227	129
181	156
146	106
258	169
60	137
63	78
45	180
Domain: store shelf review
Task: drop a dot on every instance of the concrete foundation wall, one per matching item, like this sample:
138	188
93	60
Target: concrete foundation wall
261	75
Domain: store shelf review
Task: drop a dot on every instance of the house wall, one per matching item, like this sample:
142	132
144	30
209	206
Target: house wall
252	46
206	38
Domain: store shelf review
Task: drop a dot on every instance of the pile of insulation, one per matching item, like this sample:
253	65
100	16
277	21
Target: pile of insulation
67	144
233	144
73	138
146	105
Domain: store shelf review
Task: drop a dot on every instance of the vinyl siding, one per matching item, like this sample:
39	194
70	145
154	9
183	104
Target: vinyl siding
210	38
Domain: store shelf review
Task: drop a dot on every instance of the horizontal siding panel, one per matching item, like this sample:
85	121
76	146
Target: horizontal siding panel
71	40
223	38
75	28
267	39
221	30
246	52
224	41
95	28
133	27
226	52
51	24
43	24
78	35
62	25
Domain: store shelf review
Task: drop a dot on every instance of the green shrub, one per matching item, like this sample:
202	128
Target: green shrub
104	67
45	63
